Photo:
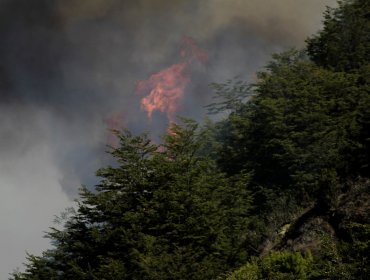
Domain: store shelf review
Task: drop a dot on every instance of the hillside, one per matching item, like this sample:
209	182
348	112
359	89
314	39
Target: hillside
278	189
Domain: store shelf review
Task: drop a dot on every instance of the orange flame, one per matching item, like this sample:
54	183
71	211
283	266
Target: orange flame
166	88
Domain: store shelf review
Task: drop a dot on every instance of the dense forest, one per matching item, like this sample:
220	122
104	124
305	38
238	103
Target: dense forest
278	189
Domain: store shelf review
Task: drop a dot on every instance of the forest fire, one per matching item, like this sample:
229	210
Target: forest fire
165	88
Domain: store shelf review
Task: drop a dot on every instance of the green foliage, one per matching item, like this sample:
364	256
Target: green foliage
305	134
356	253
230	96
329	263
277	265
301	132
164	212
344	43
249	271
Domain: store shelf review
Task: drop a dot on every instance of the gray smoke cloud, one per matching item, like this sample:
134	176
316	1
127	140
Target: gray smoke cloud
68	67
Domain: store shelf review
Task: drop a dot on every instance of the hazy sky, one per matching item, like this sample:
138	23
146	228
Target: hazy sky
68	69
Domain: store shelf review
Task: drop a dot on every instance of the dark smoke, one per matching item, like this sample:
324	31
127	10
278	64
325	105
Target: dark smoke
67	67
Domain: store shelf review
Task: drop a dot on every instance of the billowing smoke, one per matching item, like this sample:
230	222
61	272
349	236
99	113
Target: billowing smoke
68	70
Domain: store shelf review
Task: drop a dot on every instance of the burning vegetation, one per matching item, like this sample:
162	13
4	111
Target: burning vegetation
165	89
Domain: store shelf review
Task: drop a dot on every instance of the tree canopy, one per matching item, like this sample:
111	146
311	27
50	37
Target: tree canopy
164	212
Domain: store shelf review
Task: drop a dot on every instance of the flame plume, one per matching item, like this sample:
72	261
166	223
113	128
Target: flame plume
165	88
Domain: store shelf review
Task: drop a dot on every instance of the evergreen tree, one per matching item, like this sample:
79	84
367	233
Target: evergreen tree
164	212
344	42
301	132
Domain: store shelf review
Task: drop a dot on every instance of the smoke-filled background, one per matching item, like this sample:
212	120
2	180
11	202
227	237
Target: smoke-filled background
68	72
